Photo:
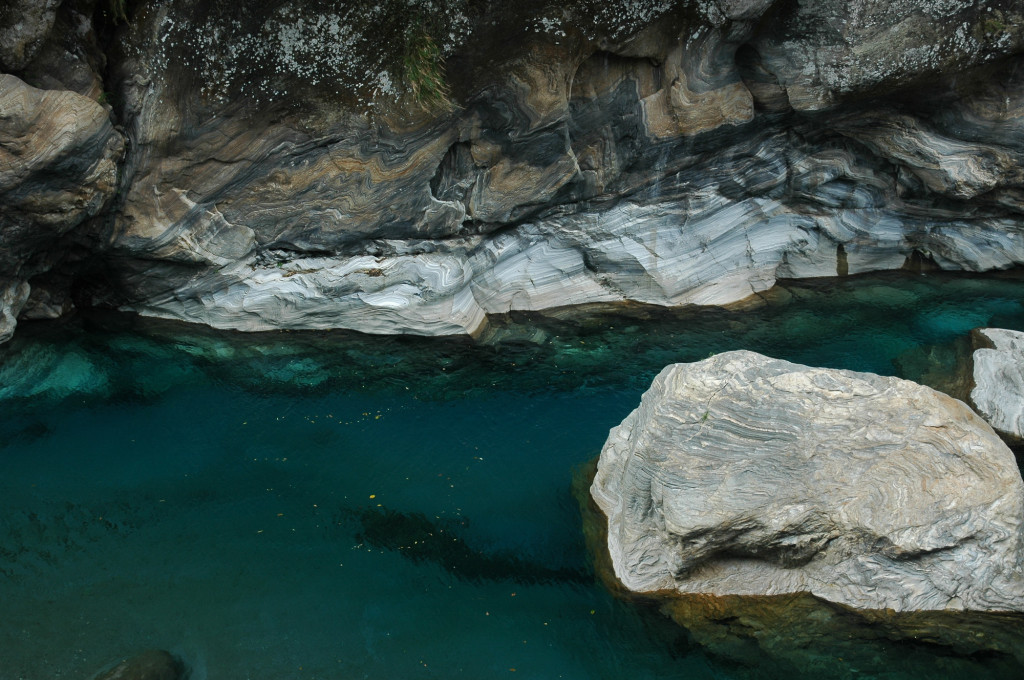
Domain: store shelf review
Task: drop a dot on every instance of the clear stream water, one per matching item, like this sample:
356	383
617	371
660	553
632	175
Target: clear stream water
332	505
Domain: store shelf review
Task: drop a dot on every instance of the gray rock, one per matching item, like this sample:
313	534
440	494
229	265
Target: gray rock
71	56
58	168
828	51
284	170
46	301
998	378
13	295
24	25
592	162
744	475
58	164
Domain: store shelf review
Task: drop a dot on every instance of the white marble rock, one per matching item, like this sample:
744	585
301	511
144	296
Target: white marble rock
998	376
746	475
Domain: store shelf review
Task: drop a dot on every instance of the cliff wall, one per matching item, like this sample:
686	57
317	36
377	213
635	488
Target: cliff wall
409	166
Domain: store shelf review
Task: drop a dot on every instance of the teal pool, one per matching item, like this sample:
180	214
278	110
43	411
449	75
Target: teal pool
331	505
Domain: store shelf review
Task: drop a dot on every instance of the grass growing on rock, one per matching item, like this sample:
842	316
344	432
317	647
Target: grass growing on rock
423	69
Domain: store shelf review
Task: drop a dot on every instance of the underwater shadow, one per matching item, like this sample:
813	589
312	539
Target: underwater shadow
423	540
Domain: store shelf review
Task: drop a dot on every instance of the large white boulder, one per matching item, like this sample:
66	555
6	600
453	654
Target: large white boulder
746	475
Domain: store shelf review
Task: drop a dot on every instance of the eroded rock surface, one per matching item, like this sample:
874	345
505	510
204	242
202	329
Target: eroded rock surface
598	158
744	475
413	167
998	378
58	167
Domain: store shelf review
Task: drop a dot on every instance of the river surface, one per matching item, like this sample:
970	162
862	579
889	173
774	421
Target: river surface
333	505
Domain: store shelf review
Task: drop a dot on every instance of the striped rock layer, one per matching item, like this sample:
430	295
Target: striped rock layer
414	167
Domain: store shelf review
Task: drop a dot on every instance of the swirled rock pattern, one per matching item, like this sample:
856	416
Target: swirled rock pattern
998	380
480	157
744	475
58	168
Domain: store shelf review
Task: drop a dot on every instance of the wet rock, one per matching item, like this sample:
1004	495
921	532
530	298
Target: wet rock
153	664
800	636
939	366
997	375
744	475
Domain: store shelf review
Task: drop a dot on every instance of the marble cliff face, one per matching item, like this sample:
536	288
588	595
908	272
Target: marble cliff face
412	167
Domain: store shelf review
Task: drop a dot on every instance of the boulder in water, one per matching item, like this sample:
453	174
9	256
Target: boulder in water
746	475
997	374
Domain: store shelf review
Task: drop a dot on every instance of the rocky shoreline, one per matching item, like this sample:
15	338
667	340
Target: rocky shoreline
767	506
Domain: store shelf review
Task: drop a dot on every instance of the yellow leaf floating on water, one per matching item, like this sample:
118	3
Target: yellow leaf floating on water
373	495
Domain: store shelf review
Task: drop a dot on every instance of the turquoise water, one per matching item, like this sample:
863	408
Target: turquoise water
332	505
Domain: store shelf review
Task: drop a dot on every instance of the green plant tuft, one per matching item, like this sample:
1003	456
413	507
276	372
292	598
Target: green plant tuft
993	26
118	10
423	66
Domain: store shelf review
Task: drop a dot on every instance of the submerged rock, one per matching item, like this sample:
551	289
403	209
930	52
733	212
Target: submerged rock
420	539
798	636
745	475
153	664
997	373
